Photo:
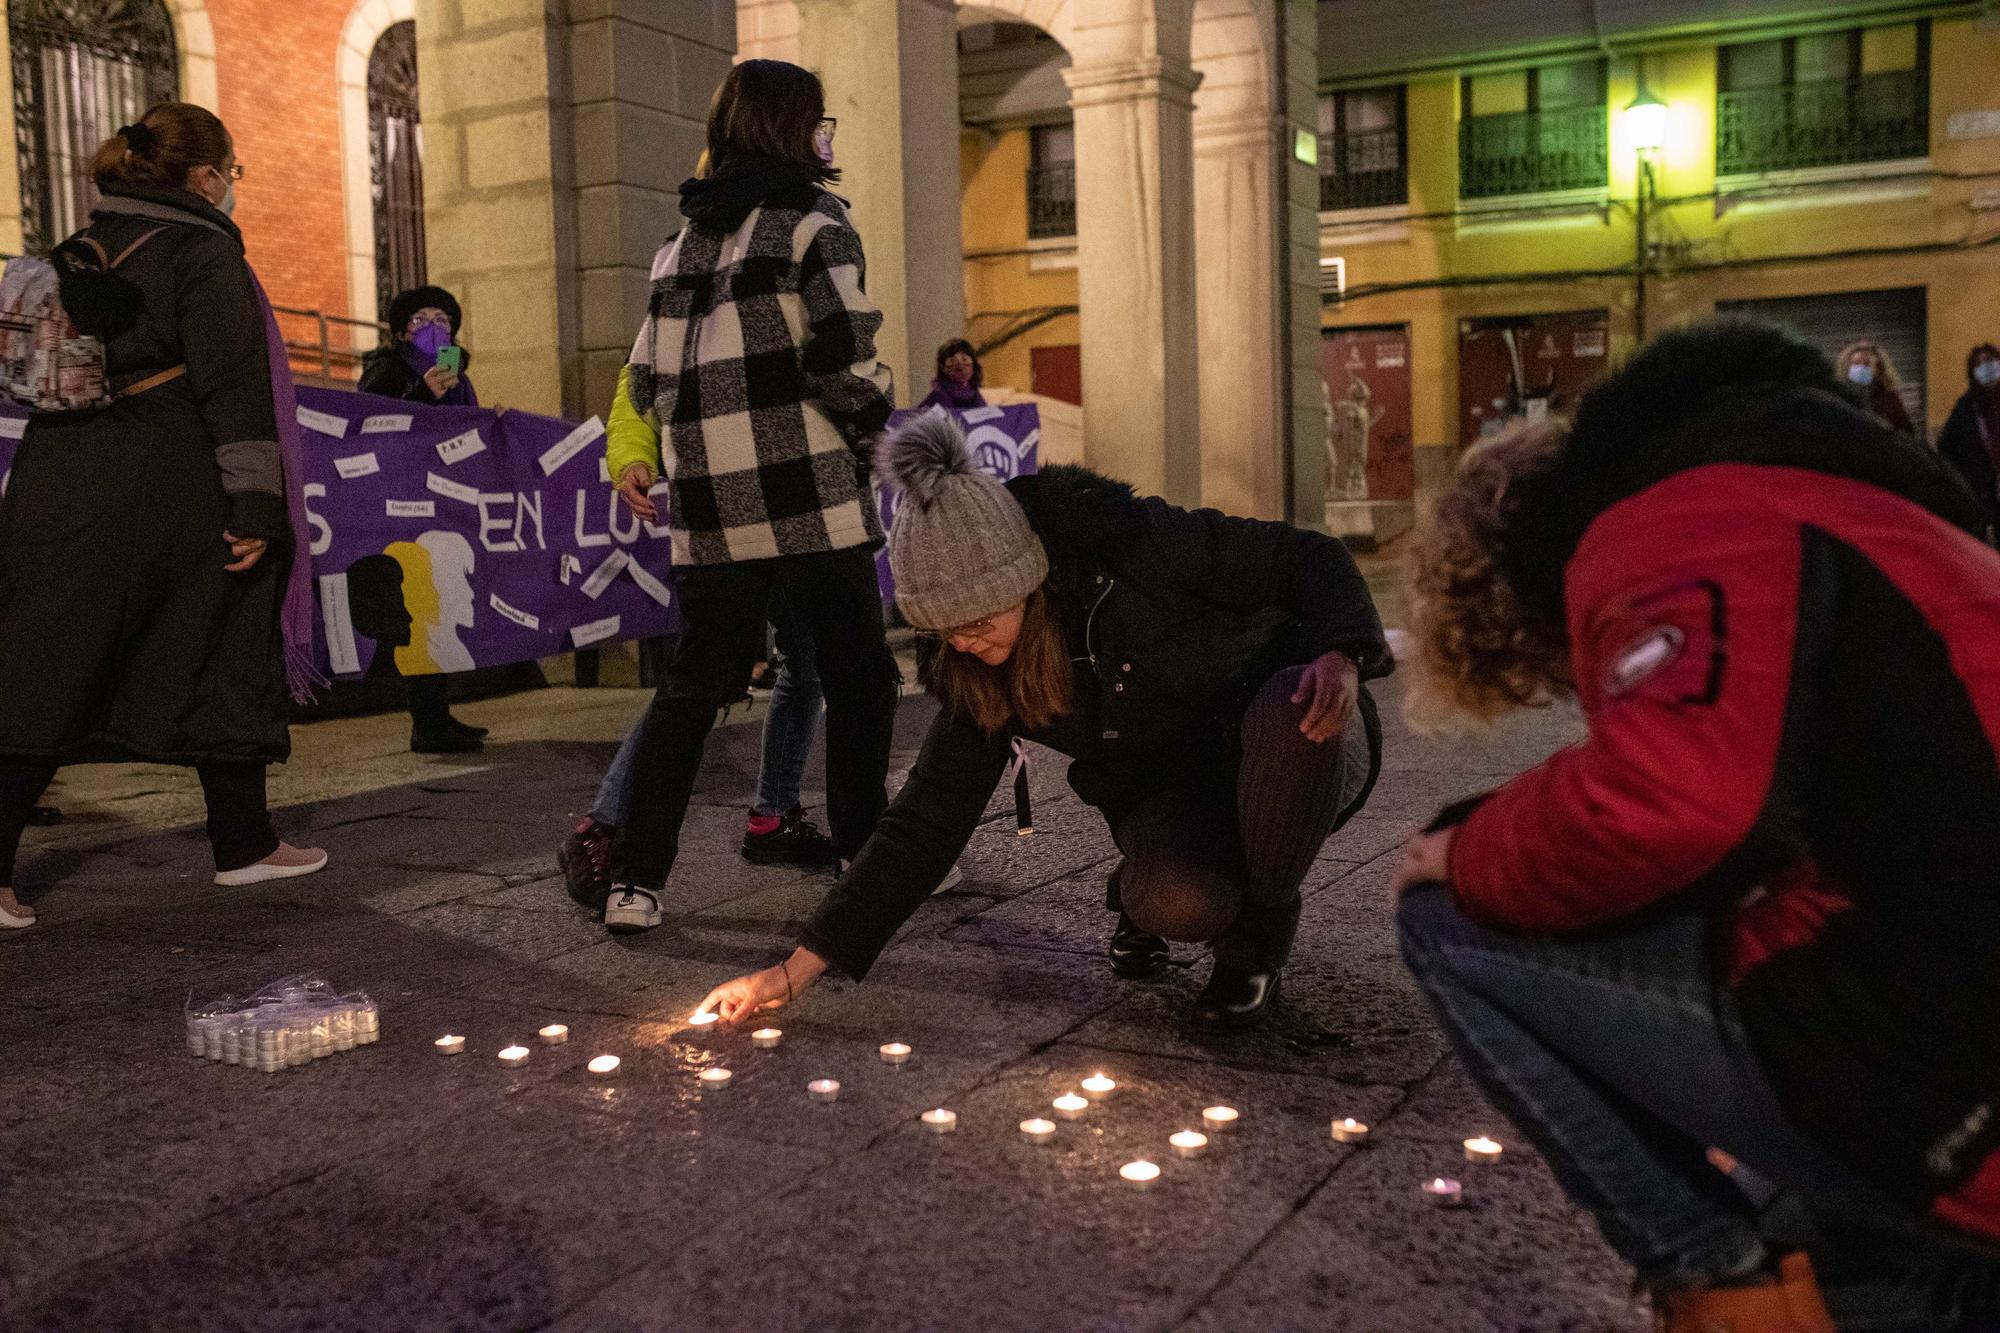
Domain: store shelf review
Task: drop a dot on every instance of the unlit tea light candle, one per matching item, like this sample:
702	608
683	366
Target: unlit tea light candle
703	1017
555	1034
715	1078
895	1053
604	1066
1071	1105
1188	1143
1140	1173
1482	1149
1099	1086
766	1038
450	1045
1349	1130
1221	1118
823	1090
1038	1130
513	1055
1444	1192
940	1121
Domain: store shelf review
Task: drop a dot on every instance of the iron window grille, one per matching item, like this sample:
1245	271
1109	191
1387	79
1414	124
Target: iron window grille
1542	149
396	163
82	68
1823	122
1051	182
1364	165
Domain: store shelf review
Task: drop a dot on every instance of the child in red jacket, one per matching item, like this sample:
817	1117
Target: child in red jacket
1757	908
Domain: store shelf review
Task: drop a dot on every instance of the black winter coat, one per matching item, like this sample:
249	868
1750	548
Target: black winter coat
1175	619
1963	446
387	373
121	634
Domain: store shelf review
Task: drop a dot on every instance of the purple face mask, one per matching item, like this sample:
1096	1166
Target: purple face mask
431	339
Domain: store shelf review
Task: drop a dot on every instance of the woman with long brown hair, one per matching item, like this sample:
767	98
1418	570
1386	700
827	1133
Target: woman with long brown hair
150	605
1204	674
1866	365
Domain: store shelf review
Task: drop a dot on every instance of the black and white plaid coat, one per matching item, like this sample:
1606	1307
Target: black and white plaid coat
758	360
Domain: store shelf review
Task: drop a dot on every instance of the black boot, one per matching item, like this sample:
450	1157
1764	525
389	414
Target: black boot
1250	956
441	739
464	728
1135	955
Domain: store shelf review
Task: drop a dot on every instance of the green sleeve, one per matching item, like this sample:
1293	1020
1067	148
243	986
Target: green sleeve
629	437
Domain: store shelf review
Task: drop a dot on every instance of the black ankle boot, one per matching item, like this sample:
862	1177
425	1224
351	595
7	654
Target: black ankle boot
1234	1000
1135	955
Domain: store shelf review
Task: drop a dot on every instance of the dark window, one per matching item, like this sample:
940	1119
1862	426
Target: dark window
1051	181
1532	131
1813	101
396	163
1363	160
82	68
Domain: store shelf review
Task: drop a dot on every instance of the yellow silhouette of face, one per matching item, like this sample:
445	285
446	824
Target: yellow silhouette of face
421	597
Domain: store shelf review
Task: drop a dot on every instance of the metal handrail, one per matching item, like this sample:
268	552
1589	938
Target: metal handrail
1823	123
364	336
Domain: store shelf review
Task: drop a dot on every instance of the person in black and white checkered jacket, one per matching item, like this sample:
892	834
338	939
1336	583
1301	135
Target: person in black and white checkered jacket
757	364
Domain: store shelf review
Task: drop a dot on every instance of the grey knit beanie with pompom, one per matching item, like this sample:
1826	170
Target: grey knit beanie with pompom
961	548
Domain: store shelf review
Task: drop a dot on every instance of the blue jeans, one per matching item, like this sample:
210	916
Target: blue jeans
796	705
1622	1058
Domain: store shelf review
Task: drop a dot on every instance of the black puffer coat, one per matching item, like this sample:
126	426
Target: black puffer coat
121	634
1175	619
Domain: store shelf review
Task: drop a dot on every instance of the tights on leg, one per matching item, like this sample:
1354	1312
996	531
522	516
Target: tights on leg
22	782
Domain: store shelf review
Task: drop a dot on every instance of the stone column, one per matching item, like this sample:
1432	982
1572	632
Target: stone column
1260	456
1132	94
891	73
552	143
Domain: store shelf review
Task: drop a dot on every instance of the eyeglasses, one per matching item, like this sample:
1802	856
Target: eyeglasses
823	132
439	320
978	629
234	171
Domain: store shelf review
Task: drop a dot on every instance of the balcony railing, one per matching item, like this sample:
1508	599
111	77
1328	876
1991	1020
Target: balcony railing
1052	201
1362	170
1832	122
1532	152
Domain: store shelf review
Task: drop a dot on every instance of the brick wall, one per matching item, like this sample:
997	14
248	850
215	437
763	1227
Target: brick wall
275	71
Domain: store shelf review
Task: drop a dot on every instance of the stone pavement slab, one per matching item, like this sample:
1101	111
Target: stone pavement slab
391	1188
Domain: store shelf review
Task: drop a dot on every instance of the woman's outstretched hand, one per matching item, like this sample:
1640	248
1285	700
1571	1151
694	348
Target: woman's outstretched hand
1330	688
772	988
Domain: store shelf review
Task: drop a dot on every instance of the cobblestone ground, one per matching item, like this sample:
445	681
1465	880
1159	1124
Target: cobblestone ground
391	1189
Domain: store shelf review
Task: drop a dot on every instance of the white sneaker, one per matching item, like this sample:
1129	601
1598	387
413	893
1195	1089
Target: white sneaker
14	914
628	910
288	862
952	879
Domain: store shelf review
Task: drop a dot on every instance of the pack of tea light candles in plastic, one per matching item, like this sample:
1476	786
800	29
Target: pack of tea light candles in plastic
288	1023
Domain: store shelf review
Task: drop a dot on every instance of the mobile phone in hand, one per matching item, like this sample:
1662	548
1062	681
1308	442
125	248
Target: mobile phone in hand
451	358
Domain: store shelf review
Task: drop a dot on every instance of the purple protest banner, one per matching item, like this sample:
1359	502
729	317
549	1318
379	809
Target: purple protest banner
462	537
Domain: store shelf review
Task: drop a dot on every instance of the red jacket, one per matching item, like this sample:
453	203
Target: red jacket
1792	686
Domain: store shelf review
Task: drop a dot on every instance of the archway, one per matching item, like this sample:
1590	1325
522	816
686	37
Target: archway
365	26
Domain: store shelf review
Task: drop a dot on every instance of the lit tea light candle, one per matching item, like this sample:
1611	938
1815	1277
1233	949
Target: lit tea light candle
1099	1086
1038	1130
895	1053
1482	1149
1444	1192
703	1017
715	1078
555	1034
1141	1173
604	1066
940	1121
513	1055
1220	1119
450	1045
1071	1105
1188	1143
823	1090
766	1038
1349	1130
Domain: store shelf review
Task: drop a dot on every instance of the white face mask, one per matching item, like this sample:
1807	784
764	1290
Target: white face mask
228	202
1987	373
1861	373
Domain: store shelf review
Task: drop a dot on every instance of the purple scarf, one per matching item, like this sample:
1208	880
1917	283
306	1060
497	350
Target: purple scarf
296	617
950	393
458	395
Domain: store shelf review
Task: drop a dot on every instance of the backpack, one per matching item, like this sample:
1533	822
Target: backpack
56	315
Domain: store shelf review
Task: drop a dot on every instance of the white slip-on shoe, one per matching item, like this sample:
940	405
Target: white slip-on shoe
12	919
288	862
628	910
952	879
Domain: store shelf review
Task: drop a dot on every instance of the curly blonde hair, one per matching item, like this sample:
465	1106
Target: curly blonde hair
1480	649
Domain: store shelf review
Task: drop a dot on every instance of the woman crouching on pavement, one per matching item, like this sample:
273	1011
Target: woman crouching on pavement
1203	673
1755	914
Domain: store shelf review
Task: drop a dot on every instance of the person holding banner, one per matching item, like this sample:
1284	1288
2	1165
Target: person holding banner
758	355
959	376
149	603
1204	673
424	363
